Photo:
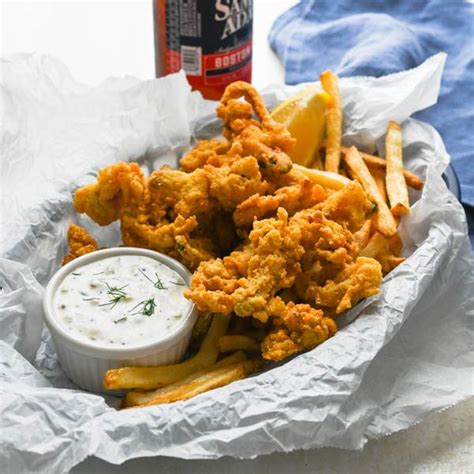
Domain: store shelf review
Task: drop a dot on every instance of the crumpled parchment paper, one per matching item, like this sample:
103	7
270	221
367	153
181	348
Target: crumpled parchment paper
406	353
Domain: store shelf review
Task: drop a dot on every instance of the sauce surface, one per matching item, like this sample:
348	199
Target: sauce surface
121	301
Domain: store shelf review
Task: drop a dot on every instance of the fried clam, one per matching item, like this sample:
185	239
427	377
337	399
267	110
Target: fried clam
265	139
293	191
80	243
296	327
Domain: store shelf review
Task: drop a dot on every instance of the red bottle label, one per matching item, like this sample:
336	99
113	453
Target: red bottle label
211	40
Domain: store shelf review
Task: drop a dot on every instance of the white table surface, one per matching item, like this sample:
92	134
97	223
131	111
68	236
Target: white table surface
98	39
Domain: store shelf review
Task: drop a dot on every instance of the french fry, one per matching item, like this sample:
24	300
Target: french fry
215	379
384	219
389	262
202	382
396	186
238	356
379	178
395	243
237	342
363	234
317	164
256	333
377	244
140	397
330	84
375	162
383	249
327	179
153	377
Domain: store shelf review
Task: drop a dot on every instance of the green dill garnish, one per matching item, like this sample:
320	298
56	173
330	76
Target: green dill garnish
120	320
90	299
116	295
75	273
145	307
176	283
99	273
158	284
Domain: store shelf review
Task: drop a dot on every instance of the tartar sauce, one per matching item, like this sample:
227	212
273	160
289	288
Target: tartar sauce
121	301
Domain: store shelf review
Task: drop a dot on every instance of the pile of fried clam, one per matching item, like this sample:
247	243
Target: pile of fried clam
278	250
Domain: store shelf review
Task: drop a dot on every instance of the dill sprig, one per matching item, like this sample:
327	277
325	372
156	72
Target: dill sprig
158	284
116	295
178	283
145	307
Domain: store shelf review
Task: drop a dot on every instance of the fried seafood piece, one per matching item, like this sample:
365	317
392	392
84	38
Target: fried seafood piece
165	237
329	248
205	151
247	279
265	139
174	192
329	244
194	250
349	206
80	243
230	185
359	280
324	235
120	188
297	327
205	190
157	213
297	192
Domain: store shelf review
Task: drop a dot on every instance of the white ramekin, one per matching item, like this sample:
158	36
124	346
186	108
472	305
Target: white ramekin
85	363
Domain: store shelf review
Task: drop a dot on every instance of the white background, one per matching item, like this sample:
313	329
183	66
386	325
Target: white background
98	39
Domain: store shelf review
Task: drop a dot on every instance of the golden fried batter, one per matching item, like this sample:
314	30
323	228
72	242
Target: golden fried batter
123	193
297	193
80	243
176	193
297	327
120	188
329	248
204	151
359	280
349	206
244	281
267	140
230	185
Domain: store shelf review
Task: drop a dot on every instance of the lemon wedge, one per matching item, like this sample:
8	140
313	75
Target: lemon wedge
303	116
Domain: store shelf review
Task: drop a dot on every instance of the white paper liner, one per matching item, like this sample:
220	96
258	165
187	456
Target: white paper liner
406	353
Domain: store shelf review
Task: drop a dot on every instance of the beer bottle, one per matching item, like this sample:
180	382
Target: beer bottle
211	40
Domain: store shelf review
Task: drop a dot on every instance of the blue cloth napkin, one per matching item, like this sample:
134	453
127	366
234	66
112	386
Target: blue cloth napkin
374	38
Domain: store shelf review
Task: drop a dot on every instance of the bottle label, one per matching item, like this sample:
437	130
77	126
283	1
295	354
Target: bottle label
211	40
